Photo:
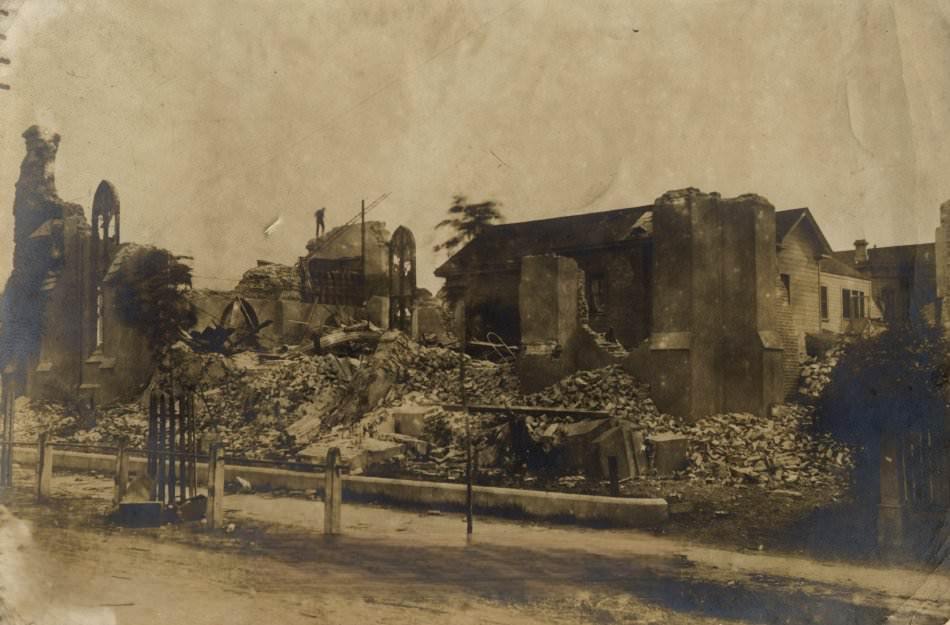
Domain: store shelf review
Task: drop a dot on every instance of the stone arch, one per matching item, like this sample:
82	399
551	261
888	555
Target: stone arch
402	278
105	239
105	213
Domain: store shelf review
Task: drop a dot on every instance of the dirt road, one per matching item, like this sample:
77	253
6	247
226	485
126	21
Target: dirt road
409	567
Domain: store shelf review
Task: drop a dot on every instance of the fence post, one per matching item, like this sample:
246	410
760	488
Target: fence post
6	439
613	472
216	485
44	468
333	493
121	474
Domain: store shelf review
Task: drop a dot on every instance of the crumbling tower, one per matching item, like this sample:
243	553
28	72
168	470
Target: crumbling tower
43	293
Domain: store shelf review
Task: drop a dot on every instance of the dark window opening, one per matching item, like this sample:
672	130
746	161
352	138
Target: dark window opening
100	313
823	302
846	303
787	285
858	307
596	293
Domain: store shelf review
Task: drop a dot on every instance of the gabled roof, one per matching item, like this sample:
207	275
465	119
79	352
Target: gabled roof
503	245
834	266
788	220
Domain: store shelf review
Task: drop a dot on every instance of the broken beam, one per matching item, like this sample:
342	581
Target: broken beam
532	410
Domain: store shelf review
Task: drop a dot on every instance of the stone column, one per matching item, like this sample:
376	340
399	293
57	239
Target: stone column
751	356
714	345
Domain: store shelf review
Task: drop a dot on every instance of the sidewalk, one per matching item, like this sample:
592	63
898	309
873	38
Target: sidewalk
560	554
400	527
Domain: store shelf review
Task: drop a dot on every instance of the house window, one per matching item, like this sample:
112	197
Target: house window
846	303
596	293
857	306
823	302
787	284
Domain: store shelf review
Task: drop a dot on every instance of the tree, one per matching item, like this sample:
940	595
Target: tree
467	221
151	296
882	387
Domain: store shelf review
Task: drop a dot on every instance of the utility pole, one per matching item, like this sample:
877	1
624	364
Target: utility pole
463	340
363	246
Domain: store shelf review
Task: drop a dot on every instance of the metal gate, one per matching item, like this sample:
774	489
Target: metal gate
402	279
172	446
925	482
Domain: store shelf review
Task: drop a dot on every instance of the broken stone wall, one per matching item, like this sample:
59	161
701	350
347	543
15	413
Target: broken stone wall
346	242
125	360
547	301
292	319
271	281
491	305
66	339
715	346
124	363
624	303
942	239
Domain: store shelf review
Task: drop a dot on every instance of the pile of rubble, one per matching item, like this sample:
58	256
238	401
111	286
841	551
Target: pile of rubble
252	403
270	280
434	372
782	450
396	406
816	372
34	417
610	389
118	422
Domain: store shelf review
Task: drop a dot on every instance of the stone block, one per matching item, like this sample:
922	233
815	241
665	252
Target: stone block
140	514
615	442
371	451
669	453
578	450
411	420
387	425
410	443
377	451
377	311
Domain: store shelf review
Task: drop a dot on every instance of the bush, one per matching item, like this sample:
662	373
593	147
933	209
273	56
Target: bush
891	382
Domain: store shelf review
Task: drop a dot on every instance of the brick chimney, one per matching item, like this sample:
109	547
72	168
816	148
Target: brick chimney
860	252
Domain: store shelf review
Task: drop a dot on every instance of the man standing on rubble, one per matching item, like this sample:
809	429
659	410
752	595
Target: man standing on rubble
321	226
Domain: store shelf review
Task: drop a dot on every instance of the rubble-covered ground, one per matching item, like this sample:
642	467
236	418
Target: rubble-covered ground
816	372
278	405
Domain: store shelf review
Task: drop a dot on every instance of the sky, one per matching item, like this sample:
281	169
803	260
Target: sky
215	118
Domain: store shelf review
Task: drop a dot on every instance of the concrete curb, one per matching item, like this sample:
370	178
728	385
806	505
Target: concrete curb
591	509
